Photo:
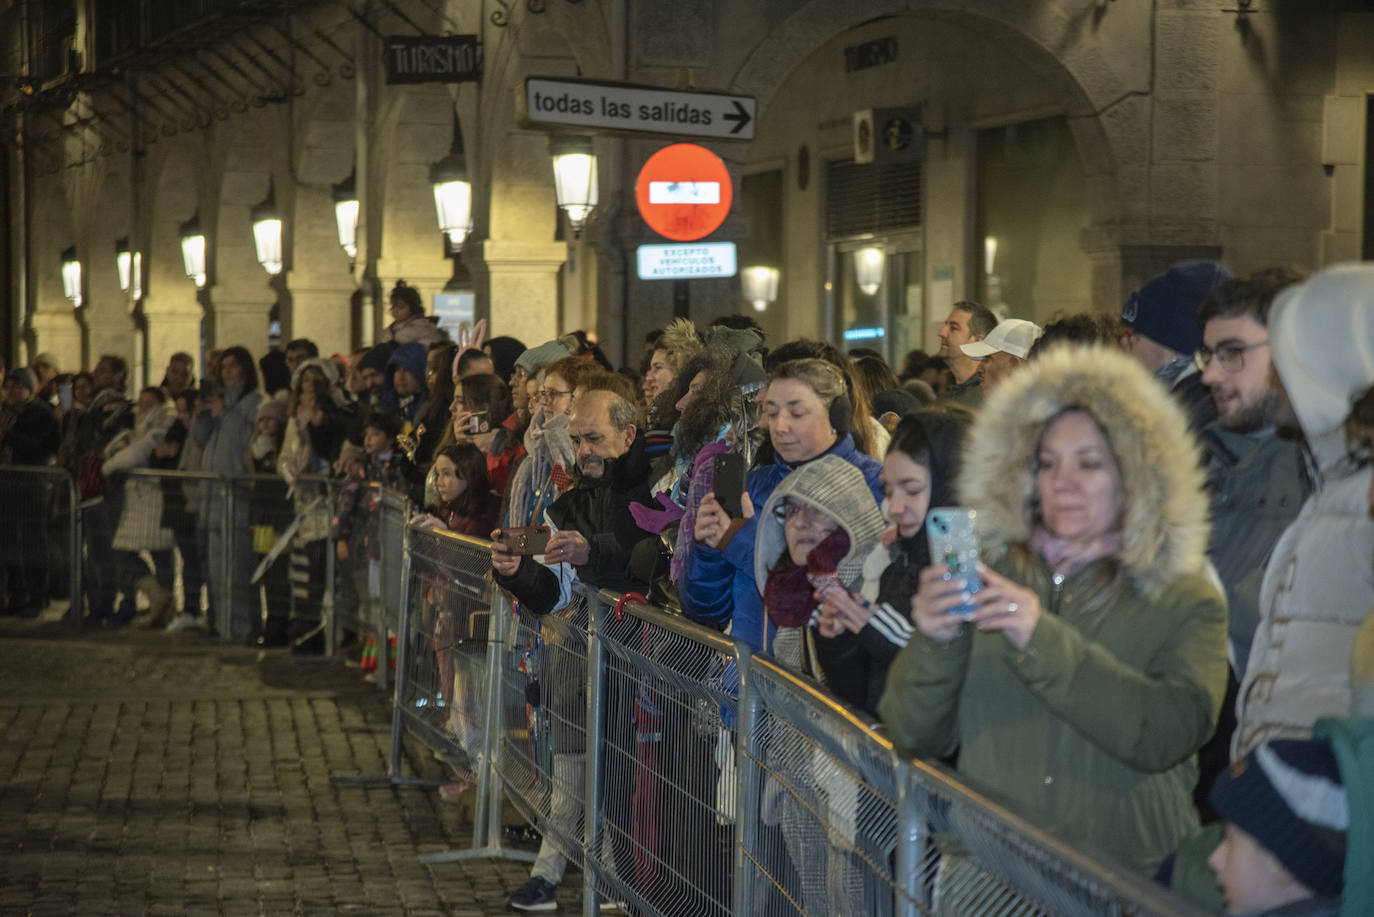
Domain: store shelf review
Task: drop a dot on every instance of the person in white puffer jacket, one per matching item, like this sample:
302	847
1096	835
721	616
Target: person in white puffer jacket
140	521
1319	583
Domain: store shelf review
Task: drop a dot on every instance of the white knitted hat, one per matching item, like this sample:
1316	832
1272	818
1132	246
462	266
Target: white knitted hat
1321	334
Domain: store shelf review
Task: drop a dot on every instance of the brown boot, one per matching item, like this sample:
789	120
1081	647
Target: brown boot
161	603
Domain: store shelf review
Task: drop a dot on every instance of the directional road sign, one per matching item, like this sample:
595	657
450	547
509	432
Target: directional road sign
591	105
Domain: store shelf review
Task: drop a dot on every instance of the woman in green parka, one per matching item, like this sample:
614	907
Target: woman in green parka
1094	665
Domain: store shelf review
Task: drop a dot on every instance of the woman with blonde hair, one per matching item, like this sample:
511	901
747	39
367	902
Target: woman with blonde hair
809	415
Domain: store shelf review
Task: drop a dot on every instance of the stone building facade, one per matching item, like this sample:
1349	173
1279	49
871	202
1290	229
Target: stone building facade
1070	148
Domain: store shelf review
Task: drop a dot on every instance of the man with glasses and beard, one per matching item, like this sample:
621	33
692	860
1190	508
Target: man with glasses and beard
1255	477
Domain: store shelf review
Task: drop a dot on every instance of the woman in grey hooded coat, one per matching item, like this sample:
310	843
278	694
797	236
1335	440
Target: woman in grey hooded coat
224	428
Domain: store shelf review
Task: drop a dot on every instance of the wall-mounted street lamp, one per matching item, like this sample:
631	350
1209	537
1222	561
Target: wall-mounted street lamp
574	177
868	269
759	285
193	251
71	277
346	216
130	265
267	233
453	191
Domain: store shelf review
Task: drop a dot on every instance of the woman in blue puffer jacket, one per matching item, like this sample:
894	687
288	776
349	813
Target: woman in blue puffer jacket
808	413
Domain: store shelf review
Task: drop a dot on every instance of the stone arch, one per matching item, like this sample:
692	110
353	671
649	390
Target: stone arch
317	277
1090	60
250	160
517	269
52	325
106	317
179	168
415	130
1089	82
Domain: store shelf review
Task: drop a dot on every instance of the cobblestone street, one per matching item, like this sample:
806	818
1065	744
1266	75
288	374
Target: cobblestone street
146	773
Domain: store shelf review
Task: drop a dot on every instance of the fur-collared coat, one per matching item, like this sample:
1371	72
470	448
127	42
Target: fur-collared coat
140	523
1092	730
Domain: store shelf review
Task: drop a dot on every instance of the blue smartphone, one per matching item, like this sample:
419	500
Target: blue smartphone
954	542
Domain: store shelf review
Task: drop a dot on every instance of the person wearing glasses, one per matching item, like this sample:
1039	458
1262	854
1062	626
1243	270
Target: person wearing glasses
1255	478
546	472
1160	329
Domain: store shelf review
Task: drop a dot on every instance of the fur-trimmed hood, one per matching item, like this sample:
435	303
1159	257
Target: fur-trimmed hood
1165	524
681	340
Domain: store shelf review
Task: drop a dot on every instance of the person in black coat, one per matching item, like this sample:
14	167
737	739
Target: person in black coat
594	538
29	435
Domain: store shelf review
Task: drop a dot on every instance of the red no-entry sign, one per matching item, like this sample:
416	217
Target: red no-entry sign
684	192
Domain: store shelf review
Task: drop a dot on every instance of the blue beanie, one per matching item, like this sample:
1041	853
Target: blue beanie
1288	795
1165	309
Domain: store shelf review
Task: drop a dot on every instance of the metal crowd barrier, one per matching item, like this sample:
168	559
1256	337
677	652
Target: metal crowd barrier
367	593
686	777
202	531
40	535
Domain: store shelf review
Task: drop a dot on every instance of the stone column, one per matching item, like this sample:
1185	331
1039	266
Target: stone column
320	311
173	325
517	287
239	315
112	333
58	333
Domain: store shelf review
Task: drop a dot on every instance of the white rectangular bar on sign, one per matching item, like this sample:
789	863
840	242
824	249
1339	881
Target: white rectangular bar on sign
684	192
686	260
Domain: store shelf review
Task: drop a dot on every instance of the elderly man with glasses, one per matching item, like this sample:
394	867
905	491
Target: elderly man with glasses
1255	477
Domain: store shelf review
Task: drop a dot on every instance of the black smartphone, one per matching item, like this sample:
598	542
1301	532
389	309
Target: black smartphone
728	482
526	539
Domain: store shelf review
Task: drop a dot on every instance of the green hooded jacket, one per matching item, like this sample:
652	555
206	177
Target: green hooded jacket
1092	730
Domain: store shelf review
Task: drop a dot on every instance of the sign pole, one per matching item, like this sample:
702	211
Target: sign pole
682	298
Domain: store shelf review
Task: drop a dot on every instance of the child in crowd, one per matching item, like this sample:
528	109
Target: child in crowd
465	502
1287	817
356	535
467	506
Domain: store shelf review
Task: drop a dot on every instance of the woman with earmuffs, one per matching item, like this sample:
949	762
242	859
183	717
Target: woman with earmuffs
808	415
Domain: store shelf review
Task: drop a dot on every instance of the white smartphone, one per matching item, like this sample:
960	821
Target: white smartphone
954	542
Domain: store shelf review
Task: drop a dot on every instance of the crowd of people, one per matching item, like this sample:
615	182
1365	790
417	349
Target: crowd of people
1151	656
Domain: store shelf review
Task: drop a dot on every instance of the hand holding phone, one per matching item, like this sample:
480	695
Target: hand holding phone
479	422
525	540
728	482
954	543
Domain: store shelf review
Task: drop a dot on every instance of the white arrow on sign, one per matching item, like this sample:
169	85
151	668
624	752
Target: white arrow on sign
545	101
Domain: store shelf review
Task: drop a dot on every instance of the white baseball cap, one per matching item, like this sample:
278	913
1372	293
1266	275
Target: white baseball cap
1012	335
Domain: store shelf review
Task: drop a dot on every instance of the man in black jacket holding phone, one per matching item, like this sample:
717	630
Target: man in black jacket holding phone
594	536
594	530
